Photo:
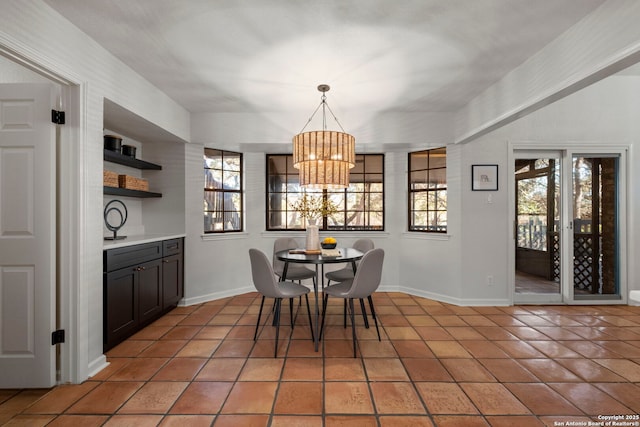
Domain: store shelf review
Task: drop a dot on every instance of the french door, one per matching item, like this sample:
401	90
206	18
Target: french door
568	214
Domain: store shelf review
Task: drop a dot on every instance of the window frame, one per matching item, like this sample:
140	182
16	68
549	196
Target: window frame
343	194
411	192
224	192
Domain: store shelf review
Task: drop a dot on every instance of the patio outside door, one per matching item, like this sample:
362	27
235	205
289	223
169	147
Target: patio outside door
567	227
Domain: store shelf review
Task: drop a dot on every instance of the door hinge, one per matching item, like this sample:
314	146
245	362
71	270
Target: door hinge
57	337
57	117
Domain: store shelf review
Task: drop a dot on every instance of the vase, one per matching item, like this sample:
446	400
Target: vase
313	240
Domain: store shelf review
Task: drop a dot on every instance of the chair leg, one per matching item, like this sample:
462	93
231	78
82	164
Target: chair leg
306	297
344	315
324	309
373	314
273	310
353	325
277	318
364	313
259	315
291	310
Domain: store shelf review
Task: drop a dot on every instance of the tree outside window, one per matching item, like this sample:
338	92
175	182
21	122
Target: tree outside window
428	190
223	208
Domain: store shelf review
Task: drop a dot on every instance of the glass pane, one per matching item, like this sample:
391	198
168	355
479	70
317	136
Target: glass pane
419	180
277	165
595	230
419	160
213	158
373	178
276	183
537	244
231	180
419	201
232	161
213	179
277	219
374	164
438	178
438	159
376	202
441	200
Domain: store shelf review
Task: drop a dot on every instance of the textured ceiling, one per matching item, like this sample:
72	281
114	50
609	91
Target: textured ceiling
379	56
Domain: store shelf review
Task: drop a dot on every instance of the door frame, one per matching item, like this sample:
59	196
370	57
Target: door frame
72	360
568	149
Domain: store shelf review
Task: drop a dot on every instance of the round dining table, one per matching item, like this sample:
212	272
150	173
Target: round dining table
331	256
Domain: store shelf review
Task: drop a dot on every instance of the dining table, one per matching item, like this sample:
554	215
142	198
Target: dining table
319	259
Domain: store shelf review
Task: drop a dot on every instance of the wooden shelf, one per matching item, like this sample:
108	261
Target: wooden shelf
125	192
121	159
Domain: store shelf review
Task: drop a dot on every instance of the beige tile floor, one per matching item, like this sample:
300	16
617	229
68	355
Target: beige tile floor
437	365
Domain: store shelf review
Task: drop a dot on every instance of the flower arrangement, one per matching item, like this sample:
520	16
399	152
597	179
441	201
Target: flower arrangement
311	208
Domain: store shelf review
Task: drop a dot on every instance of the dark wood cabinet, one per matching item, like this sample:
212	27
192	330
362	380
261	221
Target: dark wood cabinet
150	291
141	282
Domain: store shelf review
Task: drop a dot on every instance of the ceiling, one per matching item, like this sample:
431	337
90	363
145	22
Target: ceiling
247	56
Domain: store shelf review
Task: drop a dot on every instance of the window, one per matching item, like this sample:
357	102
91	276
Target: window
360	206
428	190
222	191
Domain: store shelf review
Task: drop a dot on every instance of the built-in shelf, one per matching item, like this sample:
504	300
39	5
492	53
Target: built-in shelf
125	192
121	159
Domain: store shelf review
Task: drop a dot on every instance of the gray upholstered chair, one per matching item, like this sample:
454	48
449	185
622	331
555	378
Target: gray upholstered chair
346	273
294	271
365	283
266	284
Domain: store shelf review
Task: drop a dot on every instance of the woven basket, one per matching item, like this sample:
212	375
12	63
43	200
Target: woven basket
133	183
110	179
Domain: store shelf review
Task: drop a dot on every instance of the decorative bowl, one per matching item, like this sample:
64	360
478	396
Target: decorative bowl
328	245
113	143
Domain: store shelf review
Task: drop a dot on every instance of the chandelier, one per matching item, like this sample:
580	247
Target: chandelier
323	157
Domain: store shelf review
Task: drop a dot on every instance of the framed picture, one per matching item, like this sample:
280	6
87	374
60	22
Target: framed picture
484	177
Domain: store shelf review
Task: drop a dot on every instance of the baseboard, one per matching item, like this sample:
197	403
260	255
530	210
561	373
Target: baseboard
215	296
97	365
384	288
477	302
634	297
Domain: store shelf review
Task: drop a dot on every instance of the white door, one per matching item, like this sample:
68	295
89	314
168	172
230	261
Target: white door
27	236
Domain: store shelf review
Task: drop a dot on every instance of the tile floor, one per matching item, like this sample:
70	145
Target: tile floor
437	365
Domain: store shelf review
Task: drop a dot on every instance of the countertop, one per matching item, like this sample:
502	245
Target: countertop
137	240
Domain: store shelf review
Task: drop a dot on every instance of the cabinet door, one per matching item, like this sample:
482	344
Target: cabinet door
120	305
150	290
172	278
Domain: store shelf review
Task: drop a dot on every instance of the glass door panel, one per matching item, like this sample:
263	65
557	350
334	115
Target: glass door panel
595	227
537	237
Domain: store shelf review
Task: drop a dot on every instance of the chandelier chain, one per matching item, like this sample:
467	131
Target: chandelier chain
324	104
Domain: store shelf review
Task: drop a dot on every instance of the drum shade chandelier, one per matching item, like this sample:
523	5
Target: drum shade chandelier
324	157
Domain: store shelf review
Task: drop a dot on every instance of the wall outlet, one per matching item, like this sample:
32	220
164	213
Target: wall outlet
489	280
